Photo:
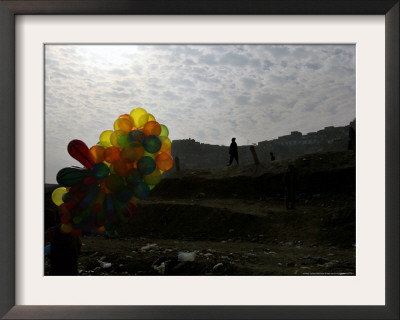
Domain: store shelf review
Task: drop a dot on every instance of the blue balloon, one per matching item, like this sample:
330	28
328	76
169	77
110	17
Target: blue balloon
124	195
136	135
134	177
100	170
141	191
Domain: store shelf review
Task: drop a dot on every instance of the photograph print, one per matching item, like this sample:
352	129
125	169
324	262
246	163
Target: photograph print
200	160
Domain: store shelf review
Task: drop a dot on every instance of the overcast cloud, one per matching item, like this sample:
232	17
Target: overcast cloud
210	93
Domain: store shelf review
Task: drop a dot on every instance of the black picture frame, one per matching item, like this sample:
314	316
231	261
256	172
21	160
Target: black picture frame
8	11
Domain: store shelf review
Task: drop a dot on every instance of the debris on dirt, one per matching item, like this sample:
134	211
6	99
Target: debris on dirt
149	247
105	265
186	256
217	266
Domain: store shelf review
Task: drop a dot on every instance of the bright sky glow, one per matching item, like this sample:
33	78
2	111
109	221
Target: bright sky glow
210	93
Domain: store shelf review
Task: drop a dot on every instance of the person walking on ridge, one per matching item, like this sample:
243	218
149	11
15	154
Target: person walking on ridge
233	151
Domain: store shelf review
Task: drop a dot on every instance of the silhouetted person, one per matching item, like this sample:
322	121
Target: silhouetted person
272	156
64	252
233	151
352	139
290	187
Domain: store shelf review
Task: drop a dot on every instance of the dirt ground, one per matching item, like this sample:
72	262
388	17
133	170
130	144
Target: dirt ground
285	243
233	221
144	256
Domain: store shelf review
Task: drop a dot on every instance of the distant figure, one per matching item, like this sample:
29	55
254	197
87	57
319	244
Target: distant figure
290	187
272	156
233	151
352	139
64	252
177	165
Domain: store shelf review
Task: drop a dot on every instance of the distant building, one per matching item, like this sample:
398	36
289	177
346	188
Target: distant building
193	154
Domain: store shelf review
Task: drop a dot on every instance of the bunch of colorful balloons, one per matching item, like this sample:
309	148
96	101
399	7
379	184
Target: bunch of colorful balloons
121	169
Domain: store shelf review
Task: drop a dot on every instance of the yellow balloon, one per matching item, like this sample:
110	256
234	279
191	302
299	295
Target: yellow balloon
136	111
152	178
140	117
57	195
134	199
119	138
66	228
165	144
151	117
105	138
148	154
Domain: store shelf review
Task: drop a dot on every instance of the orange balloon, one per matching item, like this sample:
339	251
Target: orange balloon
127	116
96	152
123	124
103	187
111	154
164	161
152	127
133	152
122	167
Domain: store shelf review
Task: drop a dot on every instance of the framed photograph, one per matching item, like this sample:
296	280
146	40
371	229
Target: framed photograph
312	232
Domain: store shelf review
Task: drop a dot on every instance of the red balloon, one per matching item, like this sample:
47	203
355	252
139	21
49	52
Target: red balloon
76	232
131	207
79	151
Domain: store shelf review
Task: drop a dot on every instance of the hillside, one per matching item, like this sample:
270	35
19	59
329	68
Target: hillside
238	213
331	173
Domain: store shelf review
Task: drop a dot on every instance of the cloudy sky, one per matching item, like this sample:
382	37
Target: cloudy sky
209	93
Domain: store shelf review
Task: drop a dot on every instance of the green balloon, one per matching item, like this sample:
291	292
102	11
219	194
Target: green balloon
164	131
152	143
69	177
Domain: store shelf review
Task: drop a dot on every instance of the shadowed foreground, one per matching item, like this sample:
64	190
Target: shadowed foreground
233	221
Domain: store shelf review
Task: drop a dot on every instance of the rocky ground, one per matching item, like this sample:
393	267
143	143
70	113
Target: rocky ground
233	221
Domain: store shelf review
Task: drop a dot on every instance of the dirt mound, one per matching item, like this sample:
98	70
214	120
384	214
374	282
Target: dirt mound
329	173
239	220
